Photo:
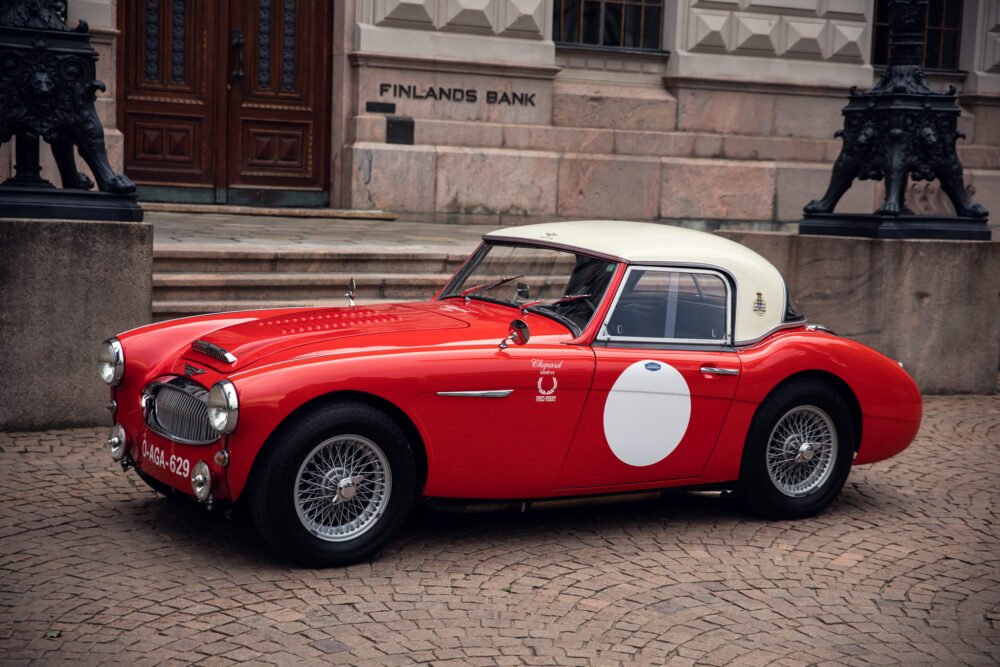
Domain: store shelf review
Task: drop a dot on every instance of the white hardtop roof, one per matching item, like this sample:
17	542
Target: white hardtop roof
652	243
632	242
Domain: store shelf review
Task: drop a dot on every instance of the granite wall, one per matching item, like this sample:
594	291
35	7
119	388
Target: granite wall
65	286
934	305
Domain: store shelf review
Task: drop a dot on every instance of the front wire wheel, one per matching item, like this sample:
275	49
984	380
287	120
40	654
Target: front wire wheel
333	485
798	452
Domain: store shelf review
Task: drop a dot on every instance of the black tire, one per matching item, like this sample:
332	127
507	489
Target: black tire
299	481
805	407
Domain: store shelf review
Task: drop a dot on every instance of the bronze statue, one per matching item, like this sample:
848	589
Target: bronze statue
48	87
901	128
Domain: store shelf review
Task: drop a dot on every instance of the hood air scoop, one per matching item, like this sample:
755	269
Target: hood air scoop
214	351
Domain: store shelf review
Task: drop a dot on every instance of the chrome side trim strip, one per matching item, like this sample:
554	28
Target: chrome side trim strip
485	393
781	327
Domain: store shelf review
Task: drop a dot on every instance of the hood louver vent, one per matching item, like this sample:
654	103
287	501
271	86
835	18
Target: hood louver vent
213	350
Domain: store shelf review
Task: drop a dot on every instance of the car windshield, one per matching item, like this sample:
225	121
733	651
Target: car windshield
559	284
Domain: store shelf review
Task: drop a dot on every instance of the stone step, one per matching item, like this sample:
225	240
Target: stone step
314	260
258	286
168	310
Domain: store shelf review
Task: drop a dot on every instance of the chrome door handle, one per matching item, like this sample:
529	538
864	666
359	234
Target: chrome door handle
715	370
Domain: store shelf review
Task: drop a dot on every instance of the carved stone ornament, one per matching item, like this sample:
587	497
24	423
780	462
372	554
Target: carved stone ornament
900	129
48	87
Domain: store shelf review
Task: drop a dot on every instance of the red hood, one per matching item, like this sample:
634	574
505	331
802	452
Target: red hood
252	340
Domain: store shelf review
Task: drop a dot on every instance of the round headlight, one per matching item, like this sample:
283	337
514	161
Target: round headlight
223	407
111	361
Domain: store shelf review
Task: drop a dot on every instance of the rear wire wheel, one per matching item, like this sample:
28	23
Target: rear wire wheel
798	451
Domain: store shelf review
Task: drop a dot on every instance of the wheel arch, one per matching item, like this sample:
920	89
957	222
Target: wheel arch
390	409
839	385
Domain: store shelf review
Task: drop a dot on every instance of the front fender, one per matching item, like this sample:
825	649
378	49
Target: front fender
270	394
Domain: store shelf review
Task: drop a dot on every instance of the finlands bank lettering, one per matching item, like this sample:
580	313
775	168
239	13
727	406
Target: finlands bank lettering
404	91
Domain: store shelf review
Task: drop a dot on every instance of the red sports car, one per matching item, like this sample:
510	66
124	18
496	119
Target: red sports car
562	360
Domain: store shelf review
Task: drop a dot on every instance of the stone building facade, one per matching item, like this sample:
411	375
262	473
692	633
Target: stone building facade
494	111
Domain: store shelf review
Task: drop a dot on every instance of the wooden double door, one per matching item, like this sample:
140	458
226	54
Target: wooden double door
226	101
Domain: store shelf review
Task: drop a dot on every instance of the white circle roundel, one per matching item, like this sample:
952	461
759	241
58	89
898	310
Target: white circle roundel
647	413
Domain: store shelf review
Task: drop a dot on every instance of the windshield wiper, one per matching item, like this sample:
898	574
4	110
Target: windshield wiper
561	319
566	299
503	281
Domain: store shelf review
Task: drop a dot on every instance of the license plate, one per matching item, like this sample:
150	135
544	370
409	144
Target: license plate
159	457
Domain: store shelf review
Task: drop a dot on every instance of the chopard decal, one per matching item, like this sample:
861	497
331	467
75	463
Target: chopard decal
190	370
546	365
545	395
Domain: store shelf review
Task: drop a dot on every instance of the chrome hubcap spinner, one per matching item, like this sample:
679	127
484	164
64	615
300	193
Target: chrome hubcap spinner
801	451
342	488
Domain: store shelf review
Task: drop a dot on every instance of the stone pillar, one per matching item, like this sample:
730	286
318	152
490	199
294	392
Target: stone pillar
65	286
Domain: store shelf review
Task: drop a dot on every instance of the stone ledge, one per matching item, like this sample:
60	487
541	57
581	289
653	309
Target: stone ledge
933	305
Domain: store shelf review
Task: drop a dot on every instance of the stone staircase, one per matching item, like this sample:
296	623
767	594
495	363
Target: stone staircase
191	281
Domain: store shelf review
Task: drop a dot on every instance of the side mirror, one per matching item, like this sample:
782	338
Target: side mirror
517	332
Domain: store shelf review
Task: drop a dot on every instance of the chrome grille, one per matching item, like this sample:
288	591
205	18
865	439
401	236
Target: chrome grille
178	409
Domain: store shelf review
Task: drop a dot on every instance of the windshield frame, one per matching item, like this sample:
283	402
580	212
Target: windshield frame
452	289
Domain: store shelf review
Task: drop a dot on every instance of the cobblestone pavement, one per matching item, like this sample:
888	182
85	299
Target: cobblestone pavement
904	568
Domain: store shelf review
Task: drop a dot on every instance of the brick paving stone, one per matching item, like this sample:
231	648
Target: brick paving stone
903	569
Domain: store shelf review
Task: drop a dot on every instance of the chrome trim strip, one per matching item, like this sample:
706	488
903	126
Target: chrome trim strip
715	370
781	327
484	393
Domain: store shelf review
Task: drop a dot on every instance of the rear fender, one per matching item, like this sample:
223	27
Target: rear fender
885	400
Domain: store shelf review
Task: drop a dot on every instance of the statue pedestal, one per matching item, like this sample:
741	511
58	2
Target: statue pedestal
932	304
65	286
896	226
58	204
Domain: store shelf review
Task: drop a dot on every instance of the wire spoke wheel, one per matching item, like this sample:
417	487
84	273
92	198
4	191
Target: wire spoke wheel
801	451
342	488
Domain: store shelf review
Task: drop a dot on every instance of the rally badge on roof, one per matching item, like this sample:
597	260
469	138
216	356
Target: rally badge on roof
759	306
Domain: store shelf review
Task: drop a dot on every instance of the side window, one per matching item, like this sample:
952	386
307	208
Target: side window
670	305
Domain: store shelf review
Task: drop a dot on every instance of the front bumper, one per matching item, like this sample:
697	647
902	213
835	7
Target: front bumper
173	463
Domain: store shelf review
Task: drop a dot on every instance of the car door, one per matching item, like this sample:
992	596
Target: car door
498	422
666	373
